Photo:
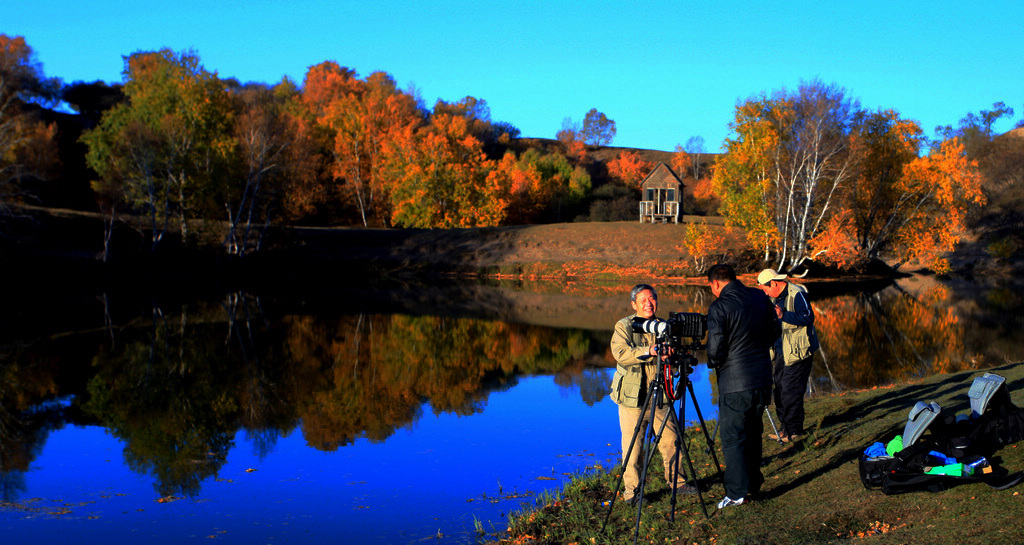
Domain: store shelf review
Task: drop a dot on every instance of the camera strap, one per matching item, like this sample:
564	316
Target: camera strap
670	391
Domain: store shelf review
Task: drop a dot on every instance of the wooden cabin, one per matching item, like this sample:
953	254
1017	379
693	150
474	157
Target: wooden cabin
661	194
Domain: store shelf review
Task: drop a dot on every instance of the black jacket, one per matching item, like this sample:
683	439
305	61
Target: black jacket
742	326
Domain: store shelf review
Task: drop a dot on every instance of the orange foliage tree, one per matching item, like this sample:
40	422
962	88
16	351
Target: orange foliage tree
538	183
702	243
681	161
938	190
441	177
629	169
571	138
27	145
743	175
809	176
791	153
899	201
359	117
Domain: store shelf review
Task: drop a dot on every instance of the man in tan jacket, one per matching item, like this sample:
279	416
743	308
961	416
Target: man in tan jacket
637	365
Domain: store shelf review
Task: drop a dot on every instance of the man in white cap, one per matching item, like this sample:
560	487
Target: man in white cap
793	353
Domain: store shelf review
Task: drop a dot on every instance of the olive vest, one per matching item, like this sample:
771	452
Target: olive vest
798	342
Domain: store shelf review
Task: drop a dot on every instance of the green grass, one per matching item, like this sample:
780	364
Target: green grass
812	493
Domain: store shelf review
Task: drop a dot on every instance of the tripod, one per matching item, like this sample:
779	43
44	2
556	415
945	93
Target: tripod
659	393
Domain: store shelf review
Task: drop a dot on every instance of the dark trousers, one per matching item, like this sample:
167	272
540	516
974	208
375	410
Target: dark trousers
790	386
741	425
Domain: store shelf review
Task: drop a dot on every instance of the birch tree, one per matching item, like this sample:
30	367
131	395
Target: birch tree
169	143
786	168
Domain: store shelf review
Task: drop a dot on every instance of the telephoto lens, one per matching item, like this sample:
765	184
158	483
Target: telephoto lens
654	325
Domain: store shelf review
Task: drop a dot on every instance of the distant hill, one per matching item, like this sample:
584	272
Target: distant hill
603	154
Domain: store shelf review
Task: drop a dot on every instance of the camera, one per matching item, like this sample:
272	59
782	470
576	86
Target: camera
680	360
671	332
692	325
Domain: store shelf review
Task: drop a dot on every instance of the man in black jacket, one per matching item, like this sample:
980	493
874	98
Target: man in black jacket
742	326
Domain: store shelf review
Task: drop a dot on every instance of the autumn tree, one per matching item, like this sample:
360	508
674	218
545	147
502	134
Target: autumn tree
742	178
702	243
538	184
478	117
782	174
681	162
440	177
899	201
884	145
27	144
937	191
251	194
572	141
358	117
629	169
167	146
597	129
309	183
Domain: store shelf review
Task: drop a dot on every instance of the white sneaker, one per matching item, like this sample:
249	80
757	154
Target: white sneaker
729	501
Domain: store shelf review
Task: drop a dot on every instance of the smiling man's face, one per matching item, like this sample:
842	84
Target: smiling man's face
646	304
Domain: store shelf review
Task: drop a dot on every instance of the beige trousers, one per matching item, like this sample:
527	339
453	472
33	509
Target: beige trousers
667	445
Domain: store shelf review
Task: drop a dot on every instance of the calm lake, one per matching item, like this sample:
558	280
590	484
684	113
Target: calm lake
370	413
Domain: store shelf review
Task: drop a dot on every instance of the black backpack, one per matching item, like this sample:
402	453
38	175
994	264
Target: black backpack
994	422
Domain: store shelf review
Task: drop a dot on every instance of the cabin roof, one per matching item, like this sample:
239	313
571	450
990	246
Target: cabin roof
660	177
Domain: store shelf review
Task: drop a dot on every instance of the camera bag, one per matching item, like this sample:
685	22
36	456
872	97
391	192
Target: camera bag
969	441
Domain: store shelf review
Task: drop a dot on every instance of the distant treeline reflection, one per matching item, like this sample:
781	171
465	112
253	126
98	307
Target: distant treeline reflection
177	385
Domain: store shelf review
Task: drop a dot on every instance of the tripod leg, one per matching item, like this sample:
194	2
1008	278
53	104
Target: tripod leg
704	427
689	462
654	401
628	454
673	465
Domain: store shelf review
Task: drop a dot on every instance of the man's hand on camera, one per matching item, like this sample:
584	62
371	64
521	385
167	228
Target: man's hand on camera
654	352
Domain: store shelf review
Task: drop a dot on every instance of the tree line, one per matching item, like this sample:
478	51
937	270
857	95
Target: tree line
176	143
807	174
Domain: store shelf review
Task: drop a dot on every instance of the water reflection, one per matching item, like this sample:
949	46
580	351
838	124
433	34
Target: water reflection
178	382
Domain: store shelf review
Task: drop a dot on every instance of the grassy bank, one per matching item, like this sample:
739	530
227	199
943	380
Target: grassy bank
812	493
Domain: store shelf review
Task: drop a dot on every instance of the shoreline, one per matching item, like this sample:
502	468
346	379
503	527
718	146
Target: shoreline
813	493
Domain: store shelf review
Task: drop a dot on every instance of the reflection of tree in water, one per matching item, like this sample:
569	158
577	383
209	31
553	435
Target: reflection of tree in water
167	396
22	437
592	382
381	369
179	389
29	411
878	338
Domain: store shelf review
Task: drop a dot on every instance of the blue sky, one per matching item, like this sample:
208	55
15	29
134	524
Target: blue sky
663	71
